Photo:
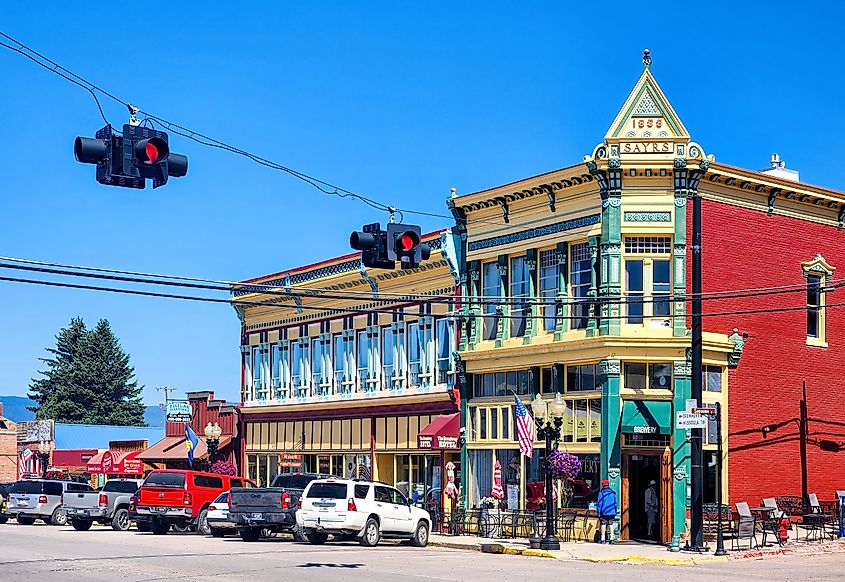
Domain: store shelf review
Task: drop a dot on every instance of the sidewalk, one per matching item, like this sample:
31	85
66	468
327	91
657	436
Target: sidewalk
626	551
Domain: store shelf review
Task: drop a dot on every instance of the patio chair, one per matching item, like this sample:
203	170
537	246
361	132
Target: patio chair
815	520
566	526
745	527
776	522
456	522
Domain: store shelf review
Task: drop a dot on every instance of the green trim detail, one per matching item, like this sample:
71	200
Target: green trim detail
646	417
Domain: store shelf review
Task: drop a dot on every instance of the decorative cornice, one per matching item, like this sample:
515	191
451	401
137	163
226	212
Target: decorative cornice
647	216
535	232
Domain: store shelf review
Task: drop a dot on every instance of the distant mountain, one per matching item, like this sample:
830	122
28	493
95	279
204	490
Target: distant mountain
14	408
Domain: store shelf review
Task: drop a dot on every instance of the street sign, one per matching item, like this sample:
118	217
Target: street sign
705	410
688	420
179	411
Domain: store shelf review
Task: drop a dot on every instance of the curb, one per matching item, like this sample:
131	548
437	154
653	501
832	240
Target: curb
501	549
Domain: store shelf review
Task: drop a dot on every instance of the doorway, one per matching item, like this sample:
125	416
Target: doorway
639	470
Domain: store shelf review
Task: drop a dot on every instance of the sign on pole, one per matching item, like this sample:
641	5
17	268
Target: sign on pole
688	420
179	411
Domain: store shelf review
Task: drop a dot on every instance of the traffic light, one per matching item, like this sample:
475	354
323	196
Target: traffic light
404	244
128	160
381	249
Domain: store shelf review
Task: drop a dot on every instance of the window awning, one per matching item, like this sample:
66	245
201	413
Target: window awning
116	463
441	433
646	417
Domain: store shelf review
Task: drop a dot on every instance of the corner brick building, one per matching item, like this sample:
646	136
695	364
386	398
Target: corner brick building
8	449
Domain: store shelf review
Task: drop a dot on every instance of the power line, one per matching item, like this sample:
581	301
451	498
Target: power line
390	311
322	292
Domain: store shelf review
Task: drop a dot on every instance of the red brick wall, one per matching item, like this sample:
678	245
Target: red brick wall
744	249
8	456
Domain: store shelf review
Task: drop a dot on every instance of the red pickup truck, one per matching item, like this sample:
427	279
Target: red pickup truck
177	498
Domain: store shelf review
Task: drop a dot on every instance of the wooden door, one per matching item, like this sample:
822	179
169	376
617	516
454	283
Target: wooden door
623	499
666	496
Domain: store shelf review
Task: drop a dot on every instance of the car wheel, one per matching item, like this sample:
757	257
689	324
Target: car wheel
298	534
316	538
216	532
159	527
59	517
371	533
24	520
120	521
250	534
81	524
143	526
202	523
420	538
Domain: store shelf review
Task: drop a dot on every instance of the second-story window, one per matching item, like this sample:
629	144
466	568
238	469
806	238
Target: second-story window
549	274
415	354
388	357
249	387
317	366
299	368
639	375
814	306
580	279
648	281
490	280
260	372
518	293
341	363
445	346
279	366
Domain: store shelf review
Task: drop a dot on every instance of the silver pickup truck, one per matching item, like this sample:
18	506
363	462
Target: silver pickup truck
110	505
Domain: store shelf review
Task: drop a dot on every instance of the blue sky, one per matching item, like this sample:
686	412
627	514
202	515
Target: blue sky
396	100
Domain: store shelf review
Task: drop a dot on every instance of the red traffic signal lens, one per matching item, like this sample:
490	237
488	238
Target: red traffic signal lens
407	241
151	151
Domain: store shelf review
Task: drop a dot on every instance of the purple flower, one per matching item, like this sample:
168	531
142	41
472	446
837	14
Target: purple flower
563	465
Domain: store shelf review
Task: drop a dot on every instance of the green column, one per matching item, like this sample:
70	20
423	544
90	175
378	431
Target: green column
611	414
562	310
611	251
472	308
681	450
679	249
466	390
592	321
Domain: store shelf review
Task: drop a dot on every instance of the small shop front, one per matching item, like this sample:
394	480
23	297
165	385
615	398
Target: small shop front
646	470
107	464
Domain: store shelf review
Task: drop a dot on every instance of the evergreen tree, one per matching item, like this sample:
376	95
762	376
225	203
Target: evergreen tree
90	380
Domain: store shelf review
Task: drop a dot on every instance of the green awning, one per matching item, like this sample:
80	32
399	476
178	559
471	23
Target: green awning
646	417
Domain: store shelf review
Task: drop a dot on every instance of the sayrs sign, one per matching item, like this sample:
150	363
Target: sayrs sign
646	147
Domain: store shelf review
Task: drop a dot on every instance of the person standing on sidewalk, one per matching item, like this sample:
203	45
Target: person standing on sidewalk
606	508
651	505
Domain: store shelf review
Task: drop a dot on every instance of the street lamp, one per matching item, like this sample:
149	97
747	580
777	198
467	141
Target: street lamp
44	449
549	417
212	439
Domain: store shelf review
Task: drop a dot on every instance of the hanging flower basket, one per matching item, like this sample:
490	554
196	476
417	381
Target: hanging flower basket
224	468
563	465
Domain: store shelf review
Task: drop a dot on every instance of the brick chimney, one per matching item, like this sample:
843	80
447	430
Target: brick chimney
1	409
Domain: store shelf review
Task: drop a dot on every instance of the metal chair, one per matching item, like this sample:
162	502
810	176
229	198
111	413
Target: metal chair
566	526
815	520
775	521
745	528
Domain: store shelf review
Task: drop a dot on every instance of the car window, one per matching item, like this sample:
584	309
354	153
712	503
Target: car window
208	481
74	488
327	491
398	498
121	486
235	483
156	479
382	494
52	488
222	498
361	491
292	481
26	487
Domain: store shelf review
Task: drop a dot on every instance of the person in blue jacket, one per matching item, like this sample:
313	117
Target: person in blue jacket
606	508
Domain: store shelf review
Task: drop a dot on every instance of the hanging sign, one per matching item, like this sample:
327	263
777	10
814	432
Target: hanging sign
179	411
688	420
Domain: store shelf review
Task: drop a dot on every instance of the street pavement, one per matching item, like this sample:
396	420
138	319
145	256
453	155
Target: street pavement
48	553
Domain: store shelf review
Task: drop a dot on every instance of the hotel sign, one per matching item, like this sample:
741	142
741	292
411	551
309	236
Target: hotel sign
437	442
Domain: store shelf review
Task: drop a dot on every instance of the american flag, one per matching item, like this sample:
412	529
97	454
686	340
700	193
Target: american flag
524	428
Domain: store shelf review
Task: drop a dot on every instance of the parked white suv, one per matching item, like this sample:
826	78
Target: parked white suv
362	509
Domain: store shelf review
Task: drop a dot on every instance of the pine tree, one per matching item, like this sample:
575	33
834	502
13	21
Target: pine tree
90	380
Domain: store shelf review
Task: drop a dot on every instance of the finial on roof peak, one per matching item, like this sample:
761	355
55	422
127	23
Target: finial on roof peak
646	58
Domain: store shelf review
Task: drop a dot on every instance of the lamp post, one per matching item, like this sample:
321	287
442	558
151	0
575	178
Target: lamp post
549	417
212	440
44	449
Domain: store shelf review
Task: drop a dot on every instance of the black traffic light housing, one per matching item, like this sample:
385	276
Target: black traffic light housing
128	160
381	249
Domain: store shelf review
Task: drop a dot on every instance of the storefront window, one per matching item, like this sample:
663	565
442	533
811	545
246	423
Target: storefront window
639	375
262	471
481	467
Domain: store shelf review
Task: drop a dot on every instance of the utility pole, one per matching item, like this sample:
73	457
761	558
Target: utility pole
802	442
166	391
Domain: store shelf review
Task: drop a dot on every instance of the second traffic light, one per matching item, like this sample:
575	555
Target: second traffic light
382	249
128	160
